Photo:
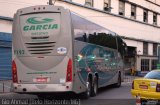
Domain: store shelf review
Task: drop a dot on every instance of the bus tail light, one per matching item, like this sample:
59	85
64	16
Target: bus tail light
158	88
69	71
14	72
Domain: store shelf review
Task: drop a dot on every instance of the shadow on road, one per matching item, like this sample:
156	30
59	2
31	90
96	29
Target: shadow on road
68	96
104	89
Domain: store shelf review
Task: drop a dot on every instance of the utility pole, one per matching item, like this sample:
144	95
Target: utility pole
50	2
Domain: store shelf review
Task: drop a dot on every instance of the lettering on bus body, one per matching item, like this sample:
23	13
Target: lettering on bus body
40	25
19	52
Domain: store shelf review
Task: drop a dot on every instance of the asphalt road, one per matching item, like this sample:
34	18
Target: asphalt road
110	92
112	96
106	96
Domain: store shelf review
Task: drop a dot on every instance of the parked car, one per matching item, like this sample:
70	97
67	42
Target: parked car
147	87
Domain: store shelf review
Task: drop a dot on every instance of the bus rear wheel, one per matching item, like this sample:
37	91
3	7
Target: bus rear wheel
94	90
118	84
87	93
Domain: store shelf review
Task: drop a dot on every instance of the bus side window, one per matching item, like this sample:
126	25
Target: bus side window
107	55
96	52
101	52
85	37
92	38
112	54
81	36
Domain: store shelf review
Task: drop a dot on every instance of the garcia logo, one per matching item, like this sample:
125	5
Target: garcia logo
38	23
33	20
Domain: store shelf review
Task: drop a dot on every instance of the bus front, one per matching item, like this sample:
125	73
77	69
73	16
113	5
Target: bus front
42	50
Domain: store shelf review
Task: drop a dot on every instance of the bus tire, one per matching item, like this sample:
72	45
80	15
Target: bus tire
94	90
118	84
87	93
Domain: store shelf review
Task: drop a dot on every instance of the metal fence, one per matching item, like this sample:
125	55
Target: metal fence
129	79
5	86
128	76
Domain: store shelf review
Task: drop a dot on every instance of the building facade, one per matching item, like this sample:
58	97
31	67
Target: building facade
5	48
136	21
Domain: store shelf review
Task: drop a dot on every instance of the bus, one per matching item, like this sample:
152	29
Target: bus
56	50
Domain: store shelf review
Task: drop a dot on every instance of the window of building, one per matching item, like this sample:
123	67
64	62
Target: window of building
145	16
121	8
144	64
89	3
155	49
145	48
107	5
133	12
154	64
154	18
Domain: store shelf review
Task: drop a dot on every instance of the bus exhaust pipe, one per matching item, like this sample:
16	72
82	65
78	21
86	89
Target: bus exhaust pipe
24	89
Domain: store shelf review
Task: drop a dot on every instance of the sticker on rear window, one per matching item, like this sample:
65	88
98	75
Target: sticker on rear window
61	50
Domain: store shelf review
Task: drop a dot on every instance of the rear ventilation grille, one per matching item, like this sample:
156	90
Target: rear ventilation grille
40	48
43	37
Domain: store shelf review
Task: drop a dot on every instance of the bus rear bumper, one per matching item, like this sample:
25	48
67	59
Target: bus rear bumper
35	88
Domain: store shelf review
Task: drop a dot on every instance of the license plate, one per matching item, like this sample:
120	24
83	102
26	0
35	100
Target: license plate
41	80
143	86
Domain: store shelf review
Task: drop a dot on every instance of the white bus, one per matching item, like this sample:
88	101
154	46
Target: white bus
55	50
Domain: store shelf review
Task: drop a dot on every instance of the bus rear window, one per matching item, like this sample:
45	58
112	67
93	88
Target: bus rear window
41	24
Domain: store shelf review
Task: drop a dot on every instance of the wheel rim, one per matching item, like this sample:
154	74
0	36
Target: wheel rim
119	80
88	88
95	86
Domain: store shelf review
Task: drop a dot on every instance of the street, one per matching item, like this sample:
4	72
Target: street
115	93
67	46
106	96
112	96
